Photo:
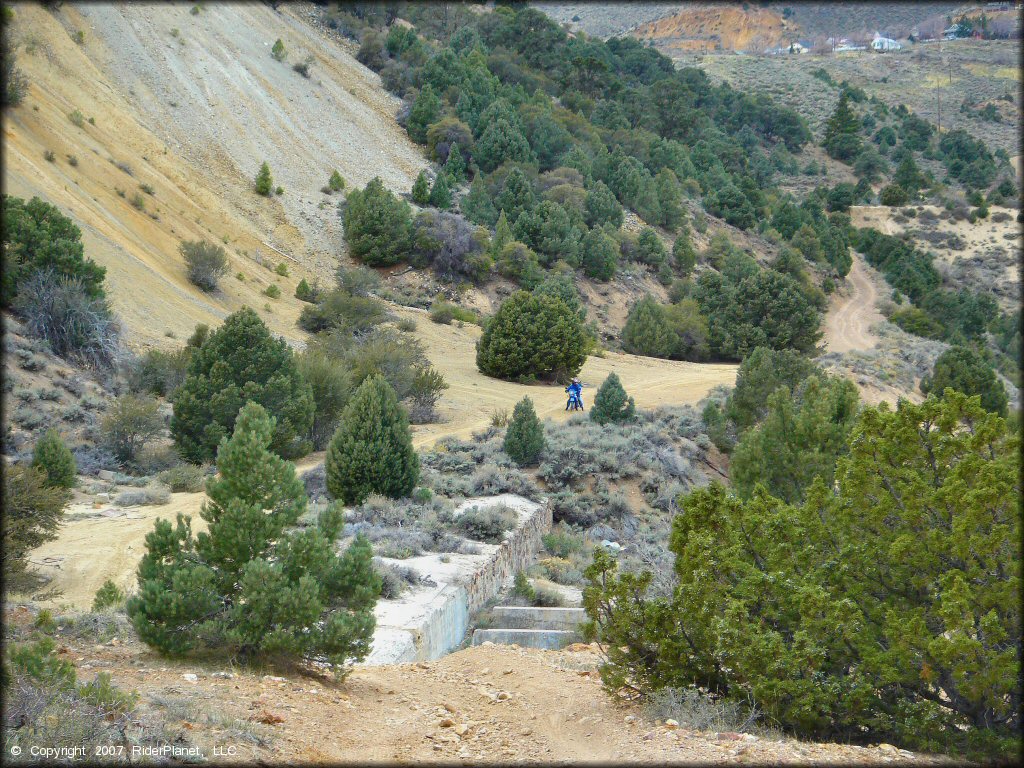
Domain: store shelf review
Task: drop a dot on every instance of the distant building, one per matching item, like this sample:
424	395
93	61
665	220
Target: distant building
883	44
797	47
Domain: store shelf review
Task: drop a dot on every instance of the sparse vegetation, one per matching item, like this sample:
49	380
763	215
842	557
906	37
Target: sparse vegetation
206	262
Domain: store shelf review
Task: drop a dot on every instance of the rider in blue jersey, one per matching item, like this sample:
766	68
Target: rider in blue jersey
575	391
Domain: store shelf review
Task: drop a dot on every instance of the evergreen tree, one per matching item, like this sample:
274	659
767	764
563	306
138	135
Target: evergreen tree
683	253
499	143
532	336
600	255
650	249
264	182
611	404
670	197
278	51
909	176
602	207
647	330
963	369
477	206
842	131
516	195
421	189
249	586
335	183
378	226
502	235
524	438
441	193
371	451
425	110
238	363
54	458
455	166
32	509
303	292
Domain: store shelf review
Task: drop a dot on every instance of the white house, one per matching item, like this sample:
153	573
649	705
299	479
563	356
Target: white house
883	44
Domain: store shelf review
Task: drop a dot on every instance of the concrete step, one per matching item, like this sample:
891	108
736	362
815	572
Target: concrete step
546	639
524	617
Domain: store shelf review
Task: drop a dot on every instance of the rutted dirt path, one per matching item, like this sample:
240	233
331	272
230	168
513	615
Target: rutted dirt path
849	320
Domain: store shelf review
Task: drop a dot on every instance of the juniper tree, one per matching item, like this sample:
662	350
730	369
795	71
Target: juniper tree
251	587
371	451
425	110
239	362
524	437
421	189
441	192
264	182
683	253
611	403
53	457
455	166
842	131
278	51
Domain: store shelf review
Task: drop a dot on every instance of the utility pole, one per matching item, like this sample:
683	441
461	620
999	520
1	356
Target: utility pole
938	96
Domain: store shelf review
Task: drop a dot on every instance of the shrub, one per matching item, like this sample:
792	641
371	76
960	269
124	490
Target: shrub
278	51
532	336
303	67
281	269
453	247
524	437
378	226
489	524
264	181
108	596
54	458
894	196
611	404
130	423
237	363
158	372
272	291
38	237
303	292
247	588
964	370
371	451
743	588
144	497
562	542
336	183
15	83
343	310
444	312
330	381
184	478
76	325
33	510
421	189
206	262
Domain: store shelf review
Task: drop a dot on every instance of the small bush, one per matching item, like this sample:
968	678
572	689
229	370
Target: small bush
278	51
395	579
77	119
499	418
699	712
489	524
264	181
54	458
206	262
131	422
303	67
406	325
562	542
336	183
138	202
144	497
272	292
49	155
184	478
108	596
282	269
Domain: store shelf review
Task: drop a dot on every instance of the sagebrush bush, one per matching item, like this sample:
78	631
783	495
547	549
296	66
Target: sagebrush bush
488	524
130	423
184	478
206	262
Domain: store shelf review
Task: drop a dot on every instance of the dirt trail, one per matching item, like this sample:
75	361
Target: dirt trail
849	320
484	705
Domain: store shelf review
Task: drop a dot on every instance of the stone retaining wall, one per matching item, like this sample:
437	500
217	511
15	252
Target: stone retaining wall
434	622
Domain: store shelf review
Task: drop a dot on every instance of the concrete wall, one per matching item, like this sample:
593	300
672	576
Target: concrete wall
546	639
525	617
433	621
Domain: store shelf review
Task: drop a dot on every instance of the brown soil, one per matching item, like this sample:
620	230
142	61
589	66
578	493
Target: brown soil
853	311
717	27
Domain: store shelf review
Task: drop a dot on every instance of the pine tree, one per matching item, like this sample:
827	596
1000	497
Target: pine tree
249	587
516	195
278	51
421	189
501	142
600	255
378	226
683	253
455	166
441	192
371	451
647	330
842	132
908	175
54	458
264	182
502	235
425	110
611	404
477	206
239	362
524	438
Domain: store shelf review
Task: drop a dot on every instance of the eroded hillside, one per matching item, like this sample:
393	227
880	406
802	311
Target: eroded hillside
701	27
171	115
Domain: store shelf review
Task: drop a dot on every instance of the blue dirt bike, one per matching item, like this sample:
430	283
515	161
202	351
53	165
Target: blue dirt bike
575	401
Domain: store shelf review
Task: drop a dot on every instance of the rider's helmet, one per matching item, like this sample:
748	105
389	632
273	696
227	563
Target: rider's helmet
575	380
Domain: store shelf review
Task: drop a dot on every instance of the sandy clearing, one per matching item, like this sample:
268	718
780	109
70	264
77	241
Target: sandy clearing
849	320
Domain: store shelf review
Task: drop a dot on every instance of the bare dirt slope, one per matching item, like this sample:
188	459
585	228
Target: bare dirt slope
190	105
853	312
716	26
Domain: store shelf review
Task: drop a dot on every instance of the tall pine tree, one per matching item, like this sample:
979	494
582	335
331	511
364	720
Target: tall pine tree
842	132
425	110
421	189
524	438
